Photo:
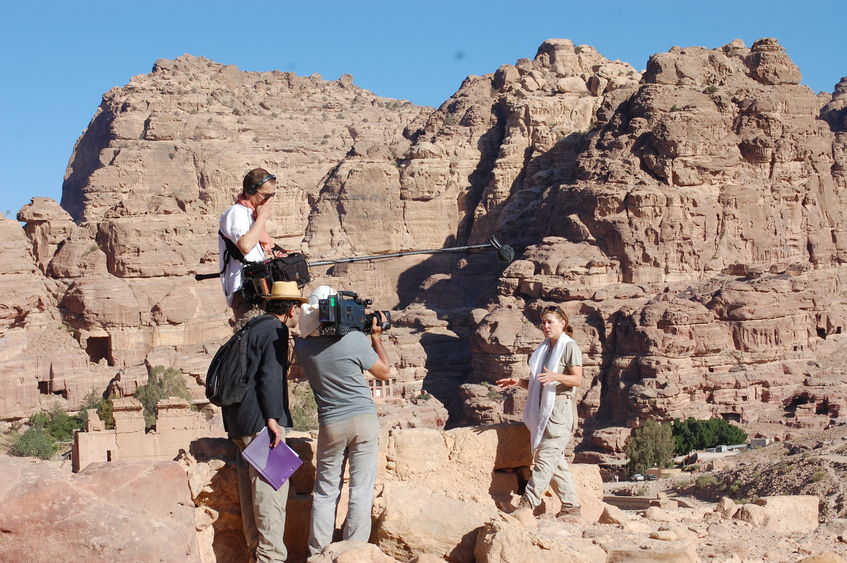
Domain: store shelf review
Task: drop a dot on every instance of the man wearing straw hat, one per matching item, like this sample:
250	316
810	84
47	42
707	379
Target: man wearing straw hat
265	403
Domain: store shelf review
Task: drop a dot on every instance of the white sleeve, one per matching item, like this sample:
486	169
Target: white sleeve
236	222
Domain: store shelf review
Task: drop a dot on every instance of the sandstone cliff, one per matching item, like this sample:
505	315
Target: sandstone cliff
690	220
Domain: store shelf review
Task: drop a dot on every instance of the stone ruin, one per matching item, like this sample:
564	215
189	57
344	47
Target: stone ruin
690	220
177	426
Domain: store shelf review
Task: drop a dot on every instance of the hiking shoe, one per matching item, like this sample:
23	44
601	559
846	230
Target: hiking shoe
568	512
523	504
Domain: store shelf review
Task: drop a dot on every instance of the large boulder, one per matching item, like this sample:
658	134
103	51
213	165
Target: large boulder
500	541
413	520
784	513
109	512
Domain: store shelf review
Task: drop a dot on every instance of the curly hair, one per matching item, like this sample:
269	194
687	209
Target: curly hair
278	306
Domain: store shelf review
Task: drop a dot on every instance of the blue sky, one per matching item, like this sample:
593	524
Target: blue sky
57	58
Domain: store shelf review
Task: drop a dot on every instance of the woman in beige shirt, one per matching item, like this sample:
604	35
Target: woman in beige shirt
550	412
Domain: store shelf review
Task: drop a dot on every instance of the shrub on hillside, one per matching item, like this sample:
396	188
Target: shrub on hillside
35	442
60	425
56	423
161	383
303	408
95	400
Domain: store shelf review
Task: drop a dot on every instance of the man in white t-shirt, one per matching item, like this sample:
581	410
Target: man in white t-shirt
243	225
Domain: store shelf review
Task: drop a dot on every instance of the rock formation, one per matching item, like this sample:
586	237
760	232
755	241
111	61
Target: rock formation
437	497
111	512
690	220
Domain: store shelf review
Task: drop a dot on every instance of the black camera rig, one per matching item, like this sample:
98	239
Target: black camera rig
346	312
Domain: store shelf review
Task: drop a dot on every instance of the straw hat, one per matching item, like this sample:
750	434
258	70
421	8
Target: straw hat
286	291
309	316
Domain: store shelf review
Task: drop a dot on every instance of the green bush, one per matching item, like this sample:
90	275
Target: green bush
95	400
35	442
61	425
705	481
56	423
819	475
304	410
161	383
681	484
692	434
650	445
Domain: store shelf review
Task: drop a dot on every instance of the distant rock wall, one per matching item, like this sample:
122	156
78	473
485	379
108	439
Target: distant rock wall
690	221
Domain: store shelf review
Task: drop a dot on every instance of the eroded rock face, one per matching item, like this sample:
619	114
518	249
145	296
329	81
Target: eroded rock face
706	211
690	221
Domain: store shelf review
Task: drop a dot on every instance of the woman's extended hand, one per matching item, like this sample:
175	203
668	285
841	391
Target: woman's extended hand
507	382
548	376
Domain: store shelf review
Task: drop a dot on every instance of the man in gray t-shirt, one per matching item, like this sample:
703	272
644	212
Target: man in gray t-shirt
334	367
349	427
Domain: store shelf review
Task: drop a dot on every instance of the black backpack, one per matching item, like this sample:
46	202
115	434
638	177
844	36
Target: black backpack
227	378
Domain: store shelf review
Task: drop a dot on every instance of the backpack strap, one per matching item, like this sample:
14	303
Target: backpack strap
232	251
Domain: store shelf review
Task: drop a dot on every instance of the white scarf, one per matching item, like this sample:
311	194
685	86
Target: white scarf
541	398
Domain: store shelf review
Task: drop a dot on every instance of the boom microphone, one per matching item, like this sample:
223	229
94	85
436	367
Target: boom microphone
505	253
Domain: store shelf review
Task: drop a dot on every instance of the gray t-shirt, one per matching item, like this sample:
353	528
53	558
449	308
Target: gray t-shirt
334	367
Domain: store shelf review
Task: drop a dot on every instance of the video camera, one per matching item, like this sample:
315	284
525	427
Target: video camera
345	312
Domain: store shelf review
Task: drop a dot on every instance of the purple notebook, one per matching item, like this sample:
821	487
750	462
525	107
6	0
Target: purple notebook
275	464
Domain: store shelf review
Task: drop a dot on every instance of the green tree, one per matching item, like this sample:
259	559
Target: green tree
95	400
683	436
730	434
651	445
161	383
692	434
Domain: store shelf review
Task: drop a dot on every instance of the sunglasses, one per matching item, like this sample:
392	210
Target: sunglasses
267	196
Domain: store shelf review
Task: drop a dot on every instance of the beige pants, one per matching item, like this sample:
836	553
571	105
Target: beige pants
262	510
355	440
550	463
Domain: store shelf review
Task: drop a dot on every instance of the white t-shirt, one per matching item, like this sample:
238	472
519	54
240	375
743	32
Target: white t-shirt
235	223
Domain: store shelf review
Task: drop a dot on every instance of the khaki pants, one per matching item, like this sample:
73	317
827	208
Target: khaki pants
550	463
262	510
355	440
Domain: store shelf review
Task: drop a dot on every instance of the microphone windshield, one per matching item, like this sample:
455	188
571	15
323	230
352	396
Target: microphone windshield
505	253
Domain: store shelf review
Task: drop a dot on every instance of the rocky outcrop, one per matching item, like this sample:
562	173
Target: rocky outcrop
689	220
706	211
128	511
427	508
